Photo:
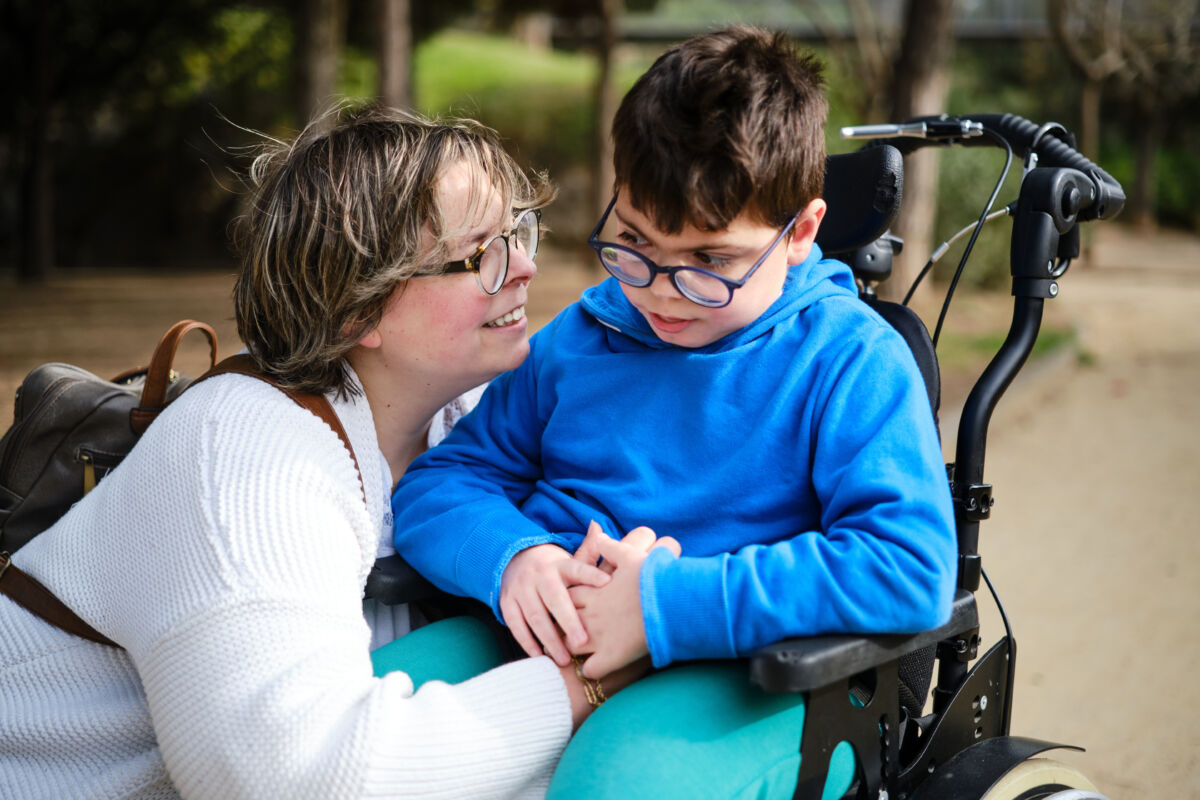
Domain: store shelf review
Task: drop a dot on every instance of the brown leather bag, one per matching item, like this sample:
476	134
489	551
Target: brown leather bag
49	458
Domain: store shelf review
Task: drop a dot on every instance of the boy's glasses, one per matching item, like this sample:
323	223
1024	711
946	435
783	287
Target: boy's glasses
701	286
490	261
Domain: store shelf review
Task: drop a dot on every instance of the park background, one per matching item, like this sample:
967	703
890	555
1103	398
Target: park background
131	123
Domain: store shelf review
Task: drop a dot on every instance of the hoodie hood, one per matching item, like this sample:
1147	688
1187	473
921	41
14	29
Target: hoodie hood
808	282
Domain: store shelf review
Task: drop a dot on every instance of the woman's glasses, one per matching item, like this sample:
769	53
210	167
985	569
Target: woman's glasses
490	261
703	287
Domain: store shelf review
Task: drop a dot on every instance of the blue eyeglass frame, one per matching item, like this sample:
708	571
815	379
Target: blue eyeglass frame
730	284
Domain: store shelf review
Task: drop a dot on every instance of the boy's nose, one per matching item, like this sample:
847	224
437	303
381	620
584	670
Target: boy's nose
662	286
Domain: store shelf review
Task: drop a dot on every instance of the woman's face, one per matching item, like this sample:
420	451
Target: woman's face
443	329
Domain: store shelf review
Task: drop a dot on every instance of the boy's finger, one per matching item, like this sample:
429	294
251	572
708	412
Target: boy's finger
562	608
515	621
613	551
587	552
540	620
641	538
669	543
576	572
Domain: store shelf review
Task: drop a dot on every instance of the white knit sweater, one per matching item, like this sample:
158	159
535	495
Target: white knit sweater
228	555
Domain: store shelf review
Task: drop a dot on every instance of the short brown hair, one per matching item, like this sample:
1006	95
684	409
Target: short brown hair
333	226
727	121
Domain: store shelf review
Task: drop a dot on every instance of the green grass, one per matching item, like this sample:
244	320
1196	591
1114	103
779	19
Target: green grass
957	350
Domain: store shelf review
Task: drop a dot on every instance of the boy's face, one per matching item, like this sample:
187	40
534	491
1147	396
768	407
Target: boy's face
730	252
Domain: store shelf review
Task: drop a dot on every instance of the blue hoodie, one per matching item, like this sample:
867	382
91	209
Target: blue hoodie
795	460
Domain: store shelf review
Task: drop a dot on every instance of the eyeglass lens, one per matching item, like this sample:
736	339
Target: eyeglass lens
631	268
493	262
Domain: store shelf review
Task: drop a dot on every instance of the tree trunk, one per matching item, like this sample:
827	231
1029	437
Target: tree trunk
395	53
604	104
320	31
1089	119
36	248
920	86
1141	196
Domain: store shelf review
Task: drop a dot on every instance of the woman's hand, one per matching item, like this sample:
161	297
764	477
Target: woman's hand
536	606
612	613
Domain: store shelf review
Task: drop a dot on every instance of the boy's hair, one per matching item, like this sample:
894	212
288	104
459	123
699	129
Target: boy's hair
333	225
727	121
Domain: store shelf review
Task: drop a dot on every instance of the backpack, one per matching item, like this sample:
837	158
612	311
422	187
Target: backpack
70	428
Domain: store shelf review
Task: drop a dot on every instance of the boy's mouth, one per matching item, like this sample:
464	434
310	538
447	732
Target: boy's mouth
667	324
511	318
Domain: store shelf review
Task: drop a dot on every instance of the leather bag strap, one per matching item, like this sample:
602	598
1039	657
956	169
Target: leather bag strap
317	404
158	374
31	595
27	592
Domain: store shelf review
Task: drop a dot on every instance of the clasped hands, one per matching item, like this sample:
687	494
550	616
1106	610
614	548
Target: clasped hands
585	604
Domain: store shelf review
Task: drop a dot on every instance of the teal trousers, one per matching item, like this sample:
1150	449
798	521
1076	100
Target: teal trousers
697	730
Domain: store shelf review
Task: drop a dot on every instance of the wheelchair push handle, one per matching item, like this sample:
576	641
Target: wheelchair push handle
1048	145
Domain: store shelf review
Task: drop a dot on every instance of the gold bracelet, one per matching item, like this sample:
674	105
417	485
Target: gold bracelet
592	689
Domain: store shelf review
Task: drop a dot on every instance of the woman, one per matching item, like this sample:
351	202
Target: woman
227	555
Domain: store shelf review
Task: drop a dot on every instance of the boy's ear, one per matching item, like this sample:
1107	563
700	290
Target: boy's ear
804	232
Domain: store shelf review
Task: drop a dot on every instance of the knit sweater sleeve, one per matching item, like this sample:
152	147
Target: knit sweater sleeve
883	558
242	613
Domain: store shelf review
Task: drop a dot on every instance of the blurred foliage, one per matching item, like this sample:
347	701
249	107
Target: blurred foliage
153	102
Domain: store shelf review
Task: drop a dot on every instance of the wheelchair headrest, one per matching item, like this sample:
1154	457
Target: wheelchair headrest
863	190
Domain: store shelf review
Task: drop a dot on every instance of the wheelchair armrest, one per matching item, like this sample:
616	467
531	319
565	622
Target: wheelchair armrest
804	664
392	582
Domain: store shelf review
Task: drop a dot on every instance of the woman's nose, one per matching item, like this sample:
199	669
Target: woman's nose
520	266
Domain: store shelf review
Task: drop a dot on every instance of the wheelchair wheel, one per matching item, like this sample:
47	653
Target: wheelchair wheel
1043	779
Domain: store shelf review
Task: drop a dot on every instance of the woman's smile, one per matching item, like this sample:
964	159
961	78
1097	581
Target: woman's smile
517	315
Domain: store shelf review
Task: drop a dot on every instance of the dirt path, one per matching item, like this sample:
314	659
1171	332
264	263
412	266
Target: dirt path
1093	542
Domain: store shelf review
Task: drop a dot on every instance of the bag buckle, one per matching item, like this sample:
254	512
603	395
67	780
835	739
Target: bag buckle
5	560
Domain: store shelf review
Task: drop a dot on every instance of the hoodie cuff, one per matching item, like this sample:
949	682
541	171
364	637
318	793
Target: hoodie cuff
684	609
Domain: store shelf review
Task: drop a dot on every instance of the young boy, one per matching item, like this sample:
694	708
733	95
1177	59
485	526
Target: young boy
726	388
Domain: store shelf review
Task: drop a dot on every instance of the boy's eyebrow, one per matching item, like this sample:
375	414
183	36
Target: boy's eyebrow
707	246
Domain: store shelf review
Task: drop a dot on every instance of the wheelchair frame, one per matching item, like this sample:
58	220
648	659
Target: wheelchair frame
963	747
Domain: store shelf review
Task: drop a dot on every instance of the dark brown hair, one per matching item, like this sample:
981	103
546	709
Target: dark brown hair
333	225
727	121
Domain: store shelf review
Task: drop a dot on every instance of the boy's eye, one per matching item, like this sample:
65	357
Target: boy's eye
631	239
709	261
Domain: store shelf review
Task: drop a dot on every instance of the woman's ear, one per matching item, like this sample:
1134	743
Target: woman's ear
372	340
804	232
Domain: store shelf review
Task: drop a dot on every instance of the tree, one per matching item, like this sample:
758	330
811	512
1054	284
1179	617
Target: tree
920	86
74	59
320	33
1090	36
1149	52
395	53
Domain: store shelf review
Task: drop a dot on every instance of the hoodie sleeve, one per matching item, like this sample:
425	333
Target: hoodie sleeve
884	558
457	508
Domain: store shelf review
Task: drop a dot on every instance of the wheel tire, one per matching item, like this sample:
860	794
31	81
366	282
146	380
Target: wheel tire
1038	779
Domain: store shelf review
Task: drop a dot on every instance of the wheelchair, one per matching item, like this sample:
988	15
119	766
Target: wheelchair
872	692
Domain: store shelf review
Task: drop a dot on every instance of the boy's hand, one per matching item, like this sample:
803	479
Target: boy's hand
535	604
612	613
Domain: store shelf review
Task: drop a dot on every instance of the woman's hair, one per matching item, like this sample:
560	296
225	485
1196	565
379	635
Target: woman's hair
333	225
725	122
